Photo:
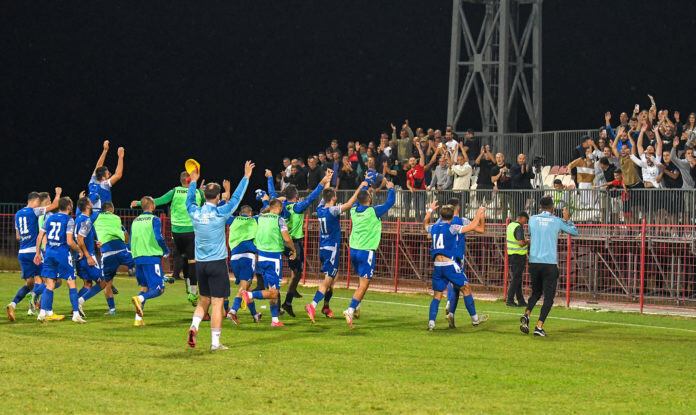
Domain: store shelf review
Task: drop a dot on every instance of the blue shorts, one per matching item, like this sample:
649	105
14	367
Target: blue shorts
150	276
448	272
58	265
110	262
29	268
270	265
296	264
329	258
363	262
88	272
243	266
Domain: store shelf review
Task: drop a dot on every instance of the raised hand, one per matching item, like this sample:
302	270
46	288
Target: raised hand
82	194
363	184
393	127
121	151
433	205
106	145
195	175
134	204
268	173
607	117
226	185
566	215
390	185
59	191
248	168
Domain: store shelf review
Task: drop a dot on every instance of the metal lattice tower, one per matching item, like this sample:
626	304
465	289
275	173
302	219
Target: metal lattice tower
498	65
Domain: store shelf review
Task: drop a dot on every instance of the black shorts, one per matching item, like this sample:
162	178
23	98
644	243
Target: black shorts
185	244
213	278
296	264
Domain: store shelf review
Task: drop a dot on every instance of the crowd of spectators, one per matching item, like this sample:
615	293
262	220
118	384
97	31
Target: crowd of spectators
650	149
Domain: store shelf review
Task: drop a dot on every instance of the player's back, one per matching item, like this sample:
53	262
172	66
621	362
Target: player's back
85	228
57	227
444	239
101	189
242	233
329	225
461	237
27	223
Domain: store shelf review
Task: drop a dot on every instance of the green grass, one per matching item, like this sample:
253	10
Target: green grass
389	363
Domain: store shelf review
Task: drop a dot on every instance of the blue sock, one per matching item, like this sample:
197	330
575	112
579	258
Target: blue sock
226	305
252	308
96	288
72	293
82	291
354	303
257	295
469	302
318	296
434	306
21	293
454	299
152	293
237	303
47	300
274	310
39	288
111	303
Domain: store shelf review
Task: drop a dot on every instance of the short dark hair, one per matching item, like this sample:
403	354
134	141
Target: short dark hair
64	203
363	197
182	177
447	212
546	202
274	203
523	215
453	201
33	196
246	210
107	206
617	171
44	196
290	191
557	181
470	131
100	172
211	191
328	194
82	203
604	161
585	138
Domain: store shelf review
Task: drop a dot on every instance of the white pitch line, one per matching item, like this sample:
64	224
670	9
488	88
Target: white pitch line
579	320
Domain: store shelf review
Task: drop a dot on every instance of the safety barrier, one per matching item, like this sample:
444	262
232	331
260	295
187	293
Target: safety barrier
642	264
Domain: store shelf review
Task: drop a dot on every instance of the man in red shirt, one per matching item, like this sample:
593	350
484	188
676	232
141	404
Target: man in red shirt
415	182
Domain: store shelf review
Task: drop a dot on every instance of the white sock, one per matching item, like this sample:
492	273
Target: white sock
215	336
81	300
42	313
13	304
232	311
196	321
141	298
431	322
194	288
112	309
451	314
49	312
274	319
138	318
474	318
350	310
75	314
314	304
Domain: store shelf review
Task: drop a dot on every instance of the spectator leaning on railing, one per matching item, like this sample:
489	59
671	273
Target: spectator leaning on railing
521	176
500	176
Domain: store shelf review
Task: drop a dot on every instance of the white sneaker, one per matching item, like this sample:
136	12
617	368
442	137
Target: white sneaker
81	311
78	319
218	347
450	320
481	319
431	325
41	318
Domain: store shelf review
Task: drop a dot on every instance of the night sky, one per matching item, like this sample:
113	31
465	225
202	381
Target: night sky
228	81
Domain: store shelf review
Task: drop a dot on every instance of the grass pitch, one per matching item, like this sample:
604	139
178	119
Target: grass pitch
589	363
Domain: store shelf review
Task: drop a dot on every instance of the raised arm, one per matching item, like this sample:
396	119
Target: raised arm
56	199
229	208
658	145
191	195
119	167
391	199
421	156
567	225
162	200
478	225
614	147
102	157
349	204
271	188
428	214
640	140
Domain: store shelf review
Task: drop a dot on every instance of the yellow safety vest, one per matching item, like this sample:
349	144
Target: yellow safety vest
513	245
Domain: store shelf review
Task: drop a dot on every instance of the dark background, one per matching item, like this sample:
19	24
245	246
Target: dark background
228	81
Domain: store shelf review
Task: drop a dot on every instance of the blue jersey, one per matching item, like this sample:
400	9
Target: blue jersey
101	189
27	224
57	227
329	224
543	234
461	238
444	237
85	228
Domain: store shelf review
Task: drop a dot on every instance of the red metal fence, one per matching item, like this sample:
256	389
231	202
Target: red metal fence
645	265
